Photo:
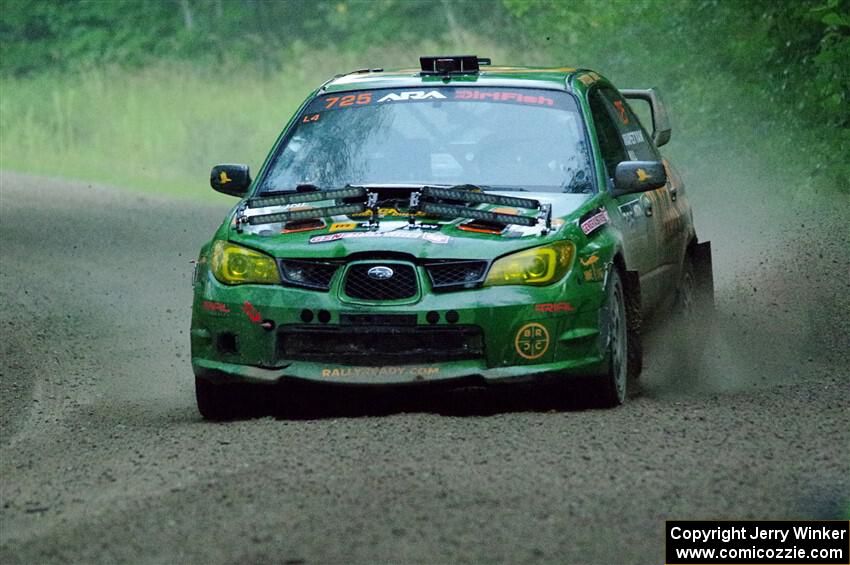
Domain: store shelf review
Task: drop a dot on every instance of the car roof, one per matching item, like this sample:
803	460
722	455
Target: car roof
554	78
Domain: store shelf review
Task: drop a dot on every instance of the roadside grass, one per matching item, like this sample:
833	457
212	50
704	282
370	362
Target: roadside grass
160	129
157	130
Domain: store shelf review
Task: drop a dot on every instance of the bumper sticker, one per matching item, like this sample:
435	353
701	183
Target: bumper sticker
384	212
252	313
621	111
593	270
211	306
380	371
532	341
554	307
595	221
348	226
633	138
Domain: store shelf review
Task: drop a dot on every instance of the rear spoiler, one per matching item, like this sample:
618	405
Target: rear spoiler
661	129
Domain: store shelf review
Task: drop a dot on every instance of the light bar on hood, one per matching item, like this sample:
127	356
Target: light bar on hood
452	211
306	214
304	197
479	197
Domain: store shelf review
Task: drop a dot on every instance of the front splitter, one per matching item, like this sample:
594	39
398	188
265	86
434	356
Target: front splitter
417	374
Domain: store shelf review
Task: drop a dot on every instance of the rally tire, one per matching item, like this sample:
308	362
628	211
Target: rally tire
695	292
686	292
611	387
693	321
217	402
634	319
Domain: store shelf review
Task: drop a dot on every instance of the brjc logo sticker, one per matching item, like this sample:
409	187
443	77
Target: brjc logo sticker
532	341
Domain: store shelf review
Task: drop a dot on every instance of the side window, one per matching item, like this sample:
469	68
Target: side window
637	142
606	132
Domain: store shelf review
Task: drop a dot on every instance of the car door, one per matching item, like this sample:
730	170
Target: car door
632	217
662	205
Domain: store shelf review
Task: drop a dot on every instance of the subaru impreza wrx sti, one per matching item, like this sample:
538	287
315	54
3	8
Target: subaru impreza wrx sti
456	223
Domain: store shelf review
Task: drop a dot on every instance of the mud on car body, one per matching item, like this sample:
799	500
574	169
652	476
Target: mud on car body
447	224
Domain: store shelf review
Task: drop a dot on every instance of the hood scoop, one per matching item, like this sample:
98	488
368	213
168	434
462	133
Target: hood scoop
480	226
303	225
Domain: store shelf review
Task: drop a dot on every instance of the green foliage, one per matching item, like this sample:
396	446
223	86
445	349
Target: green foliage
39	35
766	75
159	128
140	129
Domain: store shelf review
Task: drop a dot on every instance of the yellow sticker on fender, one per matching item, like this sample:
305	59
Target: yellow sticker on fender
594	272
343	227
532	341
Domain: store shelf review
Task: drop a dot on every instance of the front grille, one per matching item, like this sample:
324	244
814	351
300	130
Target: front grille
377	345
308	274
447	275
402	283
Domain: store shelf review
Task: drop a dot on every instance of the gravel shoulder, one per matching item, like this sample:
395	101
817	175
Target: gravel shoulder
104	459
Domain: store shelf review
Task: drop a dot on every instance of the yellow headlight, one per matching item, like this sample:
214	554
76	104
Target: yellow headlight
538	266
234	264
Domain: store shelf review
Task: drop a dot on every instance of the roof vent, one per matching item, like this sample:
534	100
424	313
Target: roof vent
451	64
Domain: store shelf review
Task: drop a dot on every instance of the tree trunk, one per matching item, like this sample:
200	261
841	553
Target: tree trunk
188	16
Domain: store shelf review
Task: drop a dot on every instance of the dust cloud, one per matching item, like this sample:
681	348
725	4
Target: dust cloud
781	254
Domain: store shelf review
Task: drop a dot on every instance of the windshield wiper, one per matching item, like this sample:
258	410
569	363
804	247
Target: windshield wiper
478	187
391	185
306	187
420	185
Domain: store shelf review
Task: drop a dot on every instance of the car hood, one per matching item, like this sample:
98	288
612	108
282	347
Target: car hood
346	235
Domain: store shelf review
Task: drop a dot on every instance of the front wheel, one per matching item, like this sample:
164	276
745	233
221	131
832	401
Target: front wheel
217	401
611	387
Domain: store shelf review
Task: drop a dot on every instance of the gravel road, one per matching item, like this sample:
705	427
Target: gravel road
104	459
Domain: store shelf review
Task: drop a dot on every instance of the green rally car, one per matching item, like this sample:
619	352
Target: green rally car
457	223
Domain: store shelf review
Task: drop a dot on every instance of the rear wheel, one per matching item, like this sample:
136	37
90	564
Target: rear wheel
611	387
692	322
686	292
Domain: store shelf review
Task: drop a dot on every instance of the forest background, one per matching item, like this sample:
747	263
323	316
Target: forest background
148	95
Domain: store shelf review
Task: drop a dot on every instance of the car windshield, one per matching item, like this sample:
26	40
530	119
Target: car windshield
496	138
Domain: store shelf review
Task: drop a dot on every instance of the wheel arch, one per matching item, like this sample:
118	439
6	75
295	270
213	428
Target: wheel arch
700	255
634	314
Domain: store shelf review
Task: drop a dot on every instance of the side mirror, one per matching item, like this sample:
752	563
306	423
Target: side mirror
230	179
638	176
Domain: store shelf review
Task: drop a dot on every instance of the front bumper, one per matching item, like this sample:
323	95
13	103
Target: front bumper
245	334
443	373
